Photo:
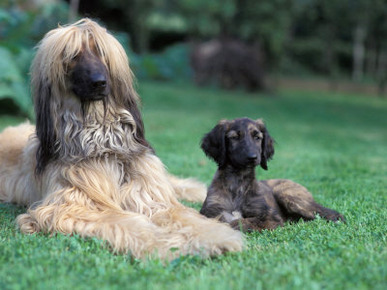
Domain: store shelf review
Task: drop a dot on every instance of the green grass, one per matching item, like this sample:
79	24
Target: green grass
336	145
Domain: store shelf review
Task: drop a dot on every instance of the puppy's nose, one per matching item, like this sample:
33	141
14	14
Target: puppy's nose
98	81
252	157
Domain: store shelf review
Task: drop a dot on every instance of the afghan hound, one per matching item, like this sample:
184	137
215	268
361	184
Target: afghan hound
236	197
87	168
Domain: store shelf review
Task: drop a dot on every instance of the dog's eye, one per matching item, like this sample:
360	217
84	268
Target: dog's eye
235	136
75	57
256	135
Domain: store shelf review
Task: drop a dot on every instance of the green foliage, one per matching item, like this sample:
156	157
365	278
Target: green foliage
48	17
13	87
170	65
215	16
19	32
266	22
297	36
332	144
14	55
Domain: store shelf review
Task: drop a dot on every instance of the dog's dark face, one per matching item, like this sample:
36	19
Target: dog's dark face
240	143
89	76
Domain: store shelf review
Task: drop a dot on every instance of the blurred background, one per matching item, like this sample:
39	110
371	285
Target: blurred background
335	45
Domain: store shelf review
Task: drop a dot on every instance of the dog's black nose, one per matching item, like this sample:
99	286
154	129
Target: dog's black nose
98	81
252	157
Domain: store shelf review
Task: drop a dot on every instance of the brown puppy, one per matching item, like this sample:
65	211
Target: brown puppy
235	196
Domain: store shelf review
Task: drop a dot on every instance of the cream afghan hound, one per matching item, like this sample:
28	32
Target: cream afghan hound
87	168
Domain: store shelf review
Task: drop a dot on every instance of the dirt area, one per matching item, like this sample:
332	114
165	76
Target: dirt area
327	85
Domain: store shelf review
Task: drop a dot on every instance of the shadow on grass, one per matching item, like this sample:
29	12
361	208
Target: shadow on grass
9	212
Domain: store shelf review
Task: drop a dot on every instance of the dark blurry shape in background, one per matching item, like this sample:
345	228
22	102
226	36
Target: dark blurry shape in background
335	45
228	62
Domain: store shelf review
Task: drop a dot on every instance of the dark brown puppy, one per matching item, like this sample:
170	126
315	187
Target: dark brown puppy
235	196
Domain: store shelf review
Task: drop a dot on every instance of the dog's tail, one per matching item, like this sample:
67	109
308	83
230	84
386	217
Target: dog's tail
188	189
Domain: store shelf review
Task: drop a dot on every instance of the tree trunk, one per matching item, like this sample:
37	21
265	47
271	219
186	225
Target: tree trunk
358	51
382	70
331	56
137	26
73	11
371	60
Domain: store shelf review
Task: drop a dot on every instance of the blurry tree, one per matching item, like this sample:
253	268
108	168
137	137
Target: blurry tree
342	33
263	22
376	45
330	38
335	38
73	10
206	18
361	16
314	40
128	15
268	23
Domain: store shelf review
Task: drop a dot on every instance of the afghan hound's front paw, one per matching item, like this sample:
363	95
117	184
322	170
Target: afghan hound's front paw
225	239
27	224
234	244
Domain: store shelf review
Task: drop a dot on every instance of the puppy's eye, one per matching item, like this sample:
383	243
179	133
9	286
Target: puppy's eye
235	136
256	135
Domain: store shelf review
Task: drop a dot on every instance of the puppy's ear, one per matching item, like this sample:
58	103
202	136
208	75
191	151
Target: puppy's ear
267	145
214	143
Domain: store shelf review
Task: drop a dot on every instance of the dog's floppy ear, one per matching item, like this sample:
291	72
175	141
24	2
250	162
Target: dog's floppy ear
45	130
214	143
126	96
132	106
267	145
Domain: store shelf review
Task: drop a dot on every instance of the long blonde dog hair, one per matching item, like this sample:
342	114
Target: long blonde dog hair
89	169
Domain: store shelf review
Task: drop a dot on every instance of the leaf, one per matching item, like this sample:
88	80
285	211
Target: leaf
13	87
9	72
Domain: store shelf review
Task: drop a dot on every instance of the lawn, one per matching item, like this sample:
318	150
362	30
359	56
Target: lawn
335	145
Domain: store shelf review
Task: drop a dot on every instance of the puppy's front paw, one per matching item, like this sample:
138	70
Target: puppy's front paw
236	225
242	225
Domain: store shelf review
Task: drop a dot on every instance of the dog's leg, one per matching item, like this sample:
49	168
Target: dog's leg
255	224
188	189
196	234
125	232
151	193
297	202
92	205
328	214
138	214
168	234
